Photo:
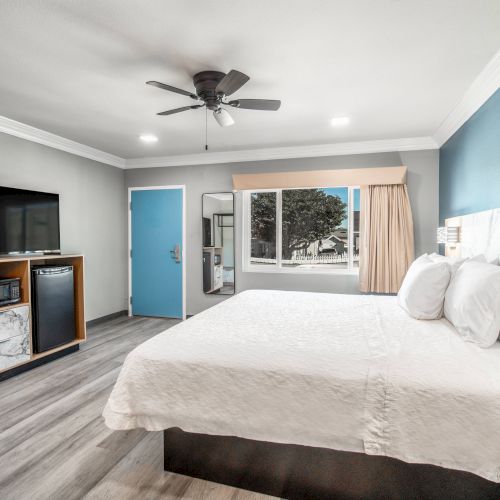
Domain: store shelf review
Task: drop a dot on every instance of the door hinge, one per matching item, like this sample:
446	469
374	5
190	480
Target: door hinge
130	300
130	253
130	206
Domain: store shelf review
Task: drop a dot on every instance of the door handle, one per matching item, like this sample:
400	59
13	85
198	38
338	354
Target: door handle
176	253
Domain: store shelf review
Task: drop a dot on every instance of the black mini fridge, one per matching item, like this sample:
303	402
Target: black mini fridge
53	306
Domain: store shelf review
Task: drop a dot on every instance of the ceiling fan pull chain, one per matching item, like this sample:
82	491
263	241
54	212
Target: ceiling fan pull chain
206	129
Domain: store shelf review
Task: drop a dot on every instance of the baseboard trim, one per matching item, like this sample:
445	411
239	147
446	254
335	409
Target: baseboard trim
37	362
102	319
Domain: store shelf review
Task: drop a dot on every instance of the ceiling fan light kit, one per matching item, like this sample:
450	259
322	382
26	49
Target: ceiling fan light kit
212	90
223	118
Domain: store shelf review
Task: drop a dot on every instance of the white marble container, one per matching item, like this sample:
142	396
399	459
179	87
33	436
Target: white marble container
14	336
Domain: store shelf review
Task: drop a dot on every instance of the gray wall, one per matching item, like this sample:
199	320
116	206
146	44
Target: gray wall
92	213
423	186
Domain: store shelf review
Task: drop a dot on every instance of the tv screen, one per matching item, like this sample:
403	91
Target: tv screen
29	221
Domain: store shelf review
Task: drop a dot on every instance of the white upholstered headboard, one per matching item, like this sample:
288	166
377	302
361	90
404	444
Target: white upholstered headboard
479	234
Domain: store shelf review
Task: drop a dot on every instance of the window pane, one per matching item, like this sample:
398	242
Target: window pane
355	215
315	228
263	228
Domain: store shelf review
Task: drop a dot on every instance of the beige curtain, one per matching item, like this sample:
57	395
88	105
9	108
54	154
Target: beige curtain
386	238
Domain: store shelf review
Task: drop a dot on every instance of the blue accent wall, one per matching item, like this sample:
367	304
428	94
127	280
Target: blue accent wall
469	164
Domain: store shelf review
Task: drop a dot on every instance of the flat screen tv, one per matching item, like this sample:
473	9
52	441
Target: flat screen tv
29	221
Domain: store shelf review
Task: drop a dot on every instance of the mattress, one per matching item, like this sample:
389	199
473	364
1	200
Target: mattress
346	372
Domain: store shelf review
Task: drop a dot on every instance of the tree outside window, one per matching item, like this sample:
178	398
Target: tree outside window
317	228
263	227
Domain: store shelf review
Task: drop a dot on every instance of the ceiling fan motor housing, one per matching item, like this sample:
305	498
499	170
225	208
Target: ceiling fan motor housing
205	83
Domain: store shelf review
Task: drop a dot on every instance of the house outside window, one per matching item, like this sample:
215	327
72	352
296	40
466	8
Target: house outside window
301	230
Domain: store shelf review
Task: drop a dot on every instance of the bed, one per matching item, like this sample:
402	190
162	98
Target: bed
348	373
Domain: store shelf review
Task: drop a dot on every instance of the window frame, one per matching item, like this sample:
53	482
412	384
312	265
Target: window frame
246	240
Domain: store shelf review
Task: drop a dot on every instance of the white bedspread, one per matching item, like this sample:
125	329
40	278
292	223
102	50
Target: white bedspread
347	372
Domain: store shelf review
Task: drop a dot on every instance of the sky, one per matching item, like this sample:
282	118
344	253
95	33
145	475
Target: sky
342	193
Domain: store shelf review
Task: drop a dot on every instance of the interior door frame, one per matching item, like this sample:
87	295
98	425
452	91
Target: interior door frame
183	252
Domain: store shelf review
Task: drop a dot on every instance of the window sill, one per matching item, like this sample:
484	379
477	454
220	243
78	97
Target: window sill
294	270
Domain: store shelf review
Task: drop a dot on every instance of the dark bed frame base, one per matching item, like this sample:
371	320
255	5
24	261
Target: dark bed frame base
293	471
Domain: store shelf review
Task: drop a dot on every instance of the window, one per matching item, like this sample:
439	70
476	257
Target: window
263	228
301	230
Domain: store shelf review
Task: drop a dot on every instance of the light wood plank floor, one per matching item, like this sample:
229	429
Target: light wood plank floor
53	441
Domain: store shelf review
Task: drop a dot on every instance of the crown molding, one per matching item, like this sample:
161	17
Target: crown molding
344	148
18	129
482	88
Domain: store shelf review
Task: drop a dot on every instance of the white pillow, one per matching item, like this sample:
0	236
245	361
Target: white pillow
422	293
478	258
454	262
495	261
472	302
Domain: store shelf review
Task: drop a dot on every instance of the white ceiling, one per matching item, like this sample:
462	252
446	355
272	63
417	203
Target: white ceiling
396	67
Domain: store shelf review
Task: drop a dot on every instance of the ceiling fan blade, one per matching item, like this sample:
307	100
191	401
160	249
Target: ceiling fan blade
262	104
172	89
233	81
180	110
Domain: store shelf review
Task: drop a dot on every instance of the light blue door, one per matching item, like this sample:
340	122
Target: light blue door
156	226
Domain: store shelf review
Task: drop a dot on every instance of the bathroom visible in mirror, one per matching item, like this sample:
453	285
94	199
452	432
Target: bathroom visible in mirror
218	243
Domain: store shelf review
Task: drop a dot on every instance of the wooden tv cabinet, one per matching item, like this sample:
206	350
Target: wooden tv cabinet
18	352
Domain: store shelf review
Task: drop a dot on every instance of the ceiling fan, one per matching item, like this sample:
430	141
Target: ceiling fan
212	90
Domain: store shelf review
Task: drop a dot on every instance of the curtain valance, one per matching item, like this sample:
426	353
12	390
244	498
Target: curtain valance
321	178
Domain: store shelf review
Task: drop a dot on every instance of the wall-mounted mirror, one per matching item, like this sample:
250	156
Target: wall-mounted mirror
218	243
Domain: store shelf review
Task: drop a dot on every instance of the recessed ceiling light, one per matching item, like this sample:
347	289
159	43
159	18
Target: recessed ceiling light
340	121
149	138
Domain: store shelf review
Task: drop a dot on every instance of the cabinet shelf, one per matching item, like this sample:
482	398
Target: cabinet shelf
12	306
56	349
19	267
